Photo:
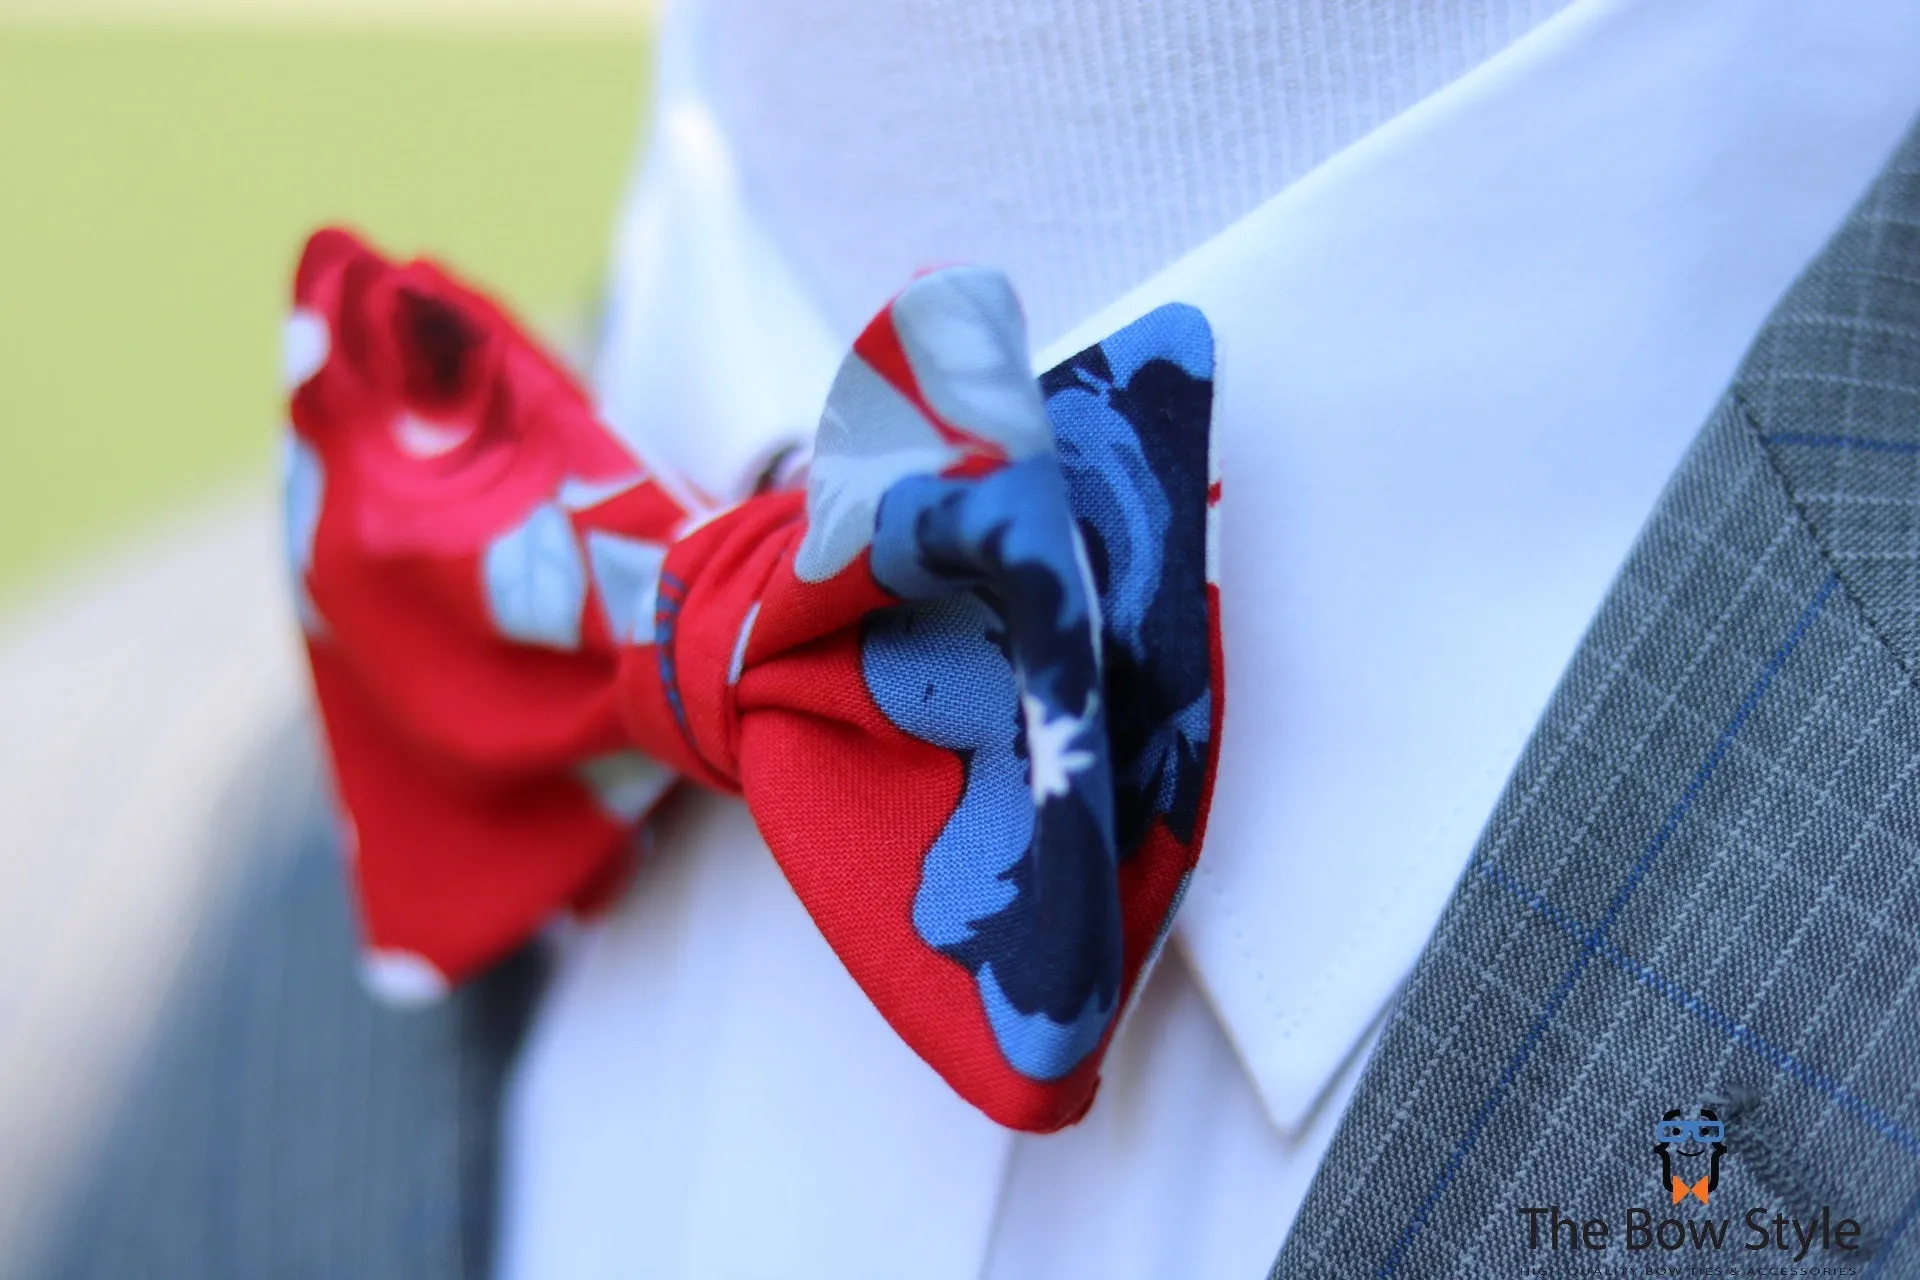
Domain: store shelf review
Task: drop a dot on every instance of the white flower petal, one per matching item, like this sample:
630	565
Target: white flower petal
304	343
1052	759
966	340
402	979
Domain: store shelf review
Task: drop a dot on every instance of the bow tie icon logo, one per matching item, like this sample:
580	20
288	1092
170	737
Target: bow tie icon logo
1698	1190
1690	1147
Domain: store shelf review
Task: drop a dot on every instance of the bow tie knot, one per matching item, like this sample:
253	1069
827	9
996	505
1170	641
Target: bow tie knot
968	682
682	692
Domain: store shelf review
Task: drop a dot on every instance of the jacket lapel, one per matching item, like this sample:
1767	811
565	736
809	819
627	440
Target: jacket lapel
284	1124
1701	887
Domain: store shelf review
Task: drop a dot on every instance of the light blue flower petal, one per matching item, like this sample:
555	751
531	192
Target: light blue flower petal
1175	332
578	495
1035	1045
627	573
963	878
626	784
536	584
305	480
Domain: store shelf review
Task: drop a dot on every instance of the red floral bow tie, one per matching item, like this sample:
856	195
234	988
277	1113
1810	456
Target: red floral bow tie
969	682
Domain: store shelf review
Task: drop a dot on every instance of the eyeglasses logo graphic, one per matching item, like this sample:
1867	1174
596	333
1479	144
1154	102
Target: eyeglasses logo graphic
1690	1147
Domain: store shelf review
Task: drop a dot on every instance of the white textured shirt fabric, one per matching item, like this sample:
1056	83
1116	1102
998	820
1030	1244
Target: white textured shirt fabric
1078	145
1459	351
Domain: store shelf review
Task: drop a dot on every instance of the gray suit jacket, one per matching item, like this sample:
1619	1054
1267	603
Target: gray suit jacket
284	1126
1700	892
1702	884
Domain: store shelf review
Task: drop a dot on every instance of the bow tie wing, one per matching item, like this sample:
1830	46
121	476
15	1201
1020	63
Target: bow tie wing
470	548
974	706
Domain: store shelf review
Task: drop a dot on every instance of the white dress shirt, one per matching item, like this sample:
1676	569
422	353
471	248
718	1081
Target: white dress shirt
1457	358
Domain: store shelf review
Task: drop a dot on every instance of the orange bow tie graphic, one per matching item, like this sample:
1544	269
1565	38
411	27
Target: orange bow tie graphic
1698	1190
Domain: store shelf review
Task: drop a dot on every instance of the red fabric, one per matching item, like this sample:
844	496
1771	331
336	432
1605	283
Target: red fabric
463	706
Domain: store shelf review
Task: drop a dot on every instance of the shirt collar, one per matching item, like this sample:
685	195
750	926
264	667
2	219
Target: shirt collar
1455	365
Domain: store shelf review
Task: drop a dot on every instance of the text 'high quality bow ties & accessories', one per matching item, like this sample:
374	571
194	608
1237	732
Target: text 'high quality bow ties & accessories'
968	681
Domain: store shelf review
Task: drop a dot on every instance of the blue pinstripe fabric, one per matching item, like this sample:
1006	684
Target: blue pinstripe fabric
283	1126
1735	1030
1726	785
1896	1240
1594	942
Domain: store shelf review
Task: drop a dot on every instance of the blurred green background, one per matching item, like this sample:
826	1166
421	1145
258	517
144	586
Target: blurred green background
159	178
